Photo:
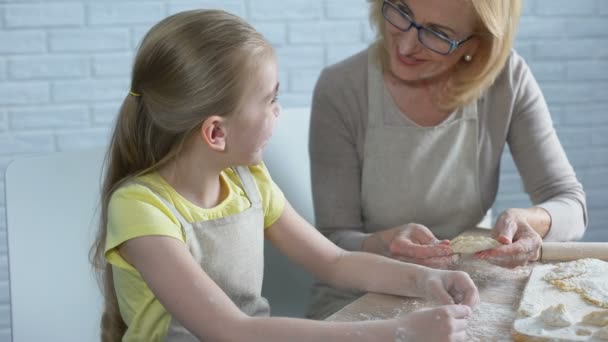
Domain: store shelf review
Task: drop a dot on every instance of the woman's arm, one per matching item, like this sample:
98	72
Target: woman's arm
208	313
365	271
547	175
559	211
336	127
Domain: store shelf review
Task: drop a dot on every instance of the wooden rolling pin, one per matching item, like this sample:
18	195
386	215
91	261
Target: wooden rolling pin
567	251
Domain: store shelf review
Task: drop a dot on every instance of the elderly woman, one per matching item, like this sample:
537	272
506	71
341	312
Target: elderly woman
406	140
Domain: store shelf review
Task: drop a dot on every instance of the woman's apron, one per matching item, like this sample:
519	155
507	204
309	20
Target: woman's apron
412	174
231	251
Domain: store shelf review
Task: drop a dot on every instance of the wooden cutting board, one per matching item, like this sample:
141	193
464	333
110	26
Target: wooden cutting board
537	296
492	320
499	290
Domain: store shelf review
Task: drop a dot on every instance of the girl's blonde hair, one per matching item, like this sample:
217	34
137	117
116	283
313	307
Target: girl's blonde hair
497	22
189	66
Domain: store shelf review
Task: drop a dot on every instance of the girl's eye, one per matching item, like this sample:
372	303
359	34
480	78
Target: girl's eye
275	99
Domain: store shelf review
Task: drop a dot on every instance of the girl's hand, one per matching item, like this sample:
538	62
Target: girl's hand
520	242
415	243
449	287
444	323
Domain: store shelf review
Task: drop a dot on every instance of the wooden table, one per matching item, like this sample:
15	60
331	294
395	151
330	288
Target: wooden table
499	288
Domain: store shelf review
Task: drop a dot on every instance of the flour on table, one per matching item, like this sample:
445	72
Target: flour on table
532	299
597	318
472	244
556	316
585	276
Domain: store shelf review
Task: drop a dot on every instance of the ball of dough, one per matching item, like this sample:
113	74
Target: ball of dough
556	316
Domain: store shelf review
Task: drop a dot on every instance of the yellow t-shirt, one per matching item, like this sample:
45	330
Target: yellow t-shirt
134	211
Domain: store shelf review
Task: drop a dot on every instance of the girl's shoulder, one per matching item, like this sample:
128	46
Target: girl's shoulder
142	187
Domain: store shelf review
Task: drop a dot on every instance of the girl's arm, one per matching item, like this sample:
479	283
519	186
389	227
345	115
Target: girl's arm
188	293
191	297
364	271
207	312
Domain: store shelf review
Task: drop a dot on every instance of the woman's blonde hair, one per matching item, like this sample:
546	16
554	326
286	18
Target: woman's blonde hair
189	66
496	29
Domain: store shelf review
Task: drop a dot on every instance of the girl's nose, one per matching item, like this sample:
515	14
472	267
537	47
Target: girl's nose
277	111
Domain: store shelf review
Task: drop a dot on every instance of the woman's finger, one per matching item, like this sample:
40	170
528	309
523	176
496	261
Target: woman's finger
505	228
419	234
408	248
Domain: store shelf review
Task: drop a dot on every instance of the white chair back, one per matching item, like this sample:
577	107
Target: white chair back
286	285
51	207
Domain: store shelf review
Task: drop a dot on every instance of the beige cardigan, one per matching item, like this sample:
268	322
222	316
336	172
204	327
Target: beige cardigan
512	111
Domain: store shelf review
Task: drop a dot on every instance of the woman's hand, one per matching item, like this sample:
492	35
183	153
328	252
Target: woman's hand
416	244
449	287
520	242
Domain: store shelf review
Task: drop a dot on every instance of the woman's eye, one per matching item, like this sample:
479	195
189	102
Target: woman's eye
441	33
404	9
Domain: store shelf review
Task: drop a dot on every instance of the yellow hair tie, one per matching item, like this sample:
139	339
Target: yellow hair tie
134	94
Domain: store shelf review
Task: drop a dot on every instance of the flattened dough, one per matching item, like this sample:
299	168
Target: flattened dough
583	332
585	276
602	334
597	318
472	244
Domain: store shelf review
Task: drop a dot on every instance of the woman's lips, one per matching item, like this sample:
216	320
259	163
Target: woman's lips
409	60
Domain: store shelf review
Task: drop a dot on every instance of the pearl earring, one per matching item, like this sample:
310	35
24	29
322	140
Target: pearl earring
468	58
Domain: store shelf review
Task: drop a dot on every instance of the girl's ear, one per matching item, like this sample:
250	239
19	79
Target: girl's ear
213	133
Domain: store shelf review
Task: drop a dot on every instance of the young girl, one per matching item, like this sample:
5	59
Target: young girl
187	202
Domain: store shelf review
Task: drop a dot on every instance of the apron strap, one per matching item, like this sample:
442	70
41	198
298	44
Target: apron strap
470	110
375	87
249	185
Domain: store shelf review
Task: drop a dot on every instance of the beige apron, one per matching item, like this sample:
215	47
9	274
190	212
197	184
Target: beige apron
231	251
426	175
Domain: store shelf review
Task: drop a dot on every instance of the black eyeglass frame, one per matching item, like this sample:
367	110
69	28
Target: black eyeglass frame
454	44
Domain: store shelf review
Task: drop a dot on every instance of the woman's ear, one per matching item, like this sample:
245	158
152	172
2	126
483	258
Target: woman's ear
471	48
213	133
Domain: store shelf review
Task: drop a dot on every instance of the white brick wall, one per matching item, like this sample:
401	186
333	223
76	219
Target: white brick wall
43	15
64	68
